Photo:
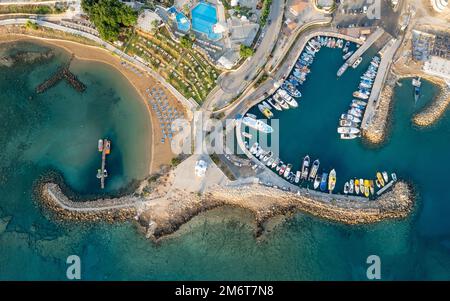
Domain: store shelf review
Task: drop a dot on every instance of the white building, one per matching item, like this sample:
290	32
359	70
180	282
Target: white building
439	5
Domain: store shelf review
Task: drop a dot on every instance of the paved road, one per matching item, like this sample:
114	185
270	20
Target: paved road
233	83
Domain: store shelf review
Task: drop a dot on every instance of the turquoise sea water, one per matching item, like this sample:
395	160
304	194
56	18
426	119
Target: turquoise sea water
60	128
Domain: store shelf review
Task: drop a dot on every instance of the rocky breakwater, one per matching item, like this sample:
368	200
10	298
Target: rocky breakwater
436	109
109	210
166	216
267	202
377	130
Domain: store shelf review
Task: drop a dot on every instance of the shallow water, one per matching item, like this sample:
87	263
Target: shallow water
60	128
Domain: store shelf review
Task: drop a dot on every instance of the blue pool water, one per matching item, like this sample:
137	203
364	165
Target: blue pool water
204	17
183	23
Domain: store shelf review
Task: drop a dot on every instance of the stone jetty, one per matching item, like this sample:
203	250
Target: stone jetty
433	112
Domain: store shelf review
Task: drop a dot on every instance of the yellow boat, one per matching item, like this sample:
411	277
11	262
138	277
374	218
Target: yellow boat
357	186
380	179
267	113
366	188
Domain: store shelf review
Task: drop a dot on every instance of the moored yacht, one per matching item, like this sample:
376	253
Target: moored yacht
257	124
275	105
287	98
332	180
317	181
324	181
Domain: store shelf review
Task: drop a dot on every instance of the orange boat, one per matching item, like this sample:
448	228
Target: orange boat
107	146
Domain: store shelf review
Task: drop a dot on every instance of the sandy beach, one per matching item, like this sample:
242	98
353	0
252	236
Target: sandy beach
161	153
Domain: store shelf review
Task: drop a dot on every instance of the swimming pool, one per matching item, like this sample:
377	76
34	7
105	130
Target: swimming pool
204	17
183	23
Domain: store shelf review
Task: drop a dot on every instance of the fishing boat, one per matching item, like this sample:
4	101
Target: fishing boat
385	176
347	55
359	94
265	111
357	62
287	98
280	101
253	148
259	152
394	177
349	136
357	186
416	83
355	112
361	186
366	188
291	89
346	46
282	169
288	170
267	156
380	179
297	176
352	186
351	118
347	130
279	165
324	181
107	146
359	102
275	163
342	69
305	167
100	145
317	181
372	188
346	122
99	173
346	187
314	169
270	161
257	124
332	181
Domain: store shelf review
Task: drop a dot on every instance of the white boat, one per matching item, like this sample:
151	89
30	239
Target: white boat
394	177
297	176
257	124
349	136
287	98
275	163
259	152
351	118
357	62
247	135
254	148
267	156
275	105
347	55
305	167
352	186
346	187
266	105
280	101
346	122
317	181
355	112
287	170
314	169
270	161
361	95
347	130
251	115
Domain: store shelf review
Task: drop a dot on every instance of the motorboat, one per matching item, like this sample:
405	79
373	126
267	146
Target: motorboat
361	186
348	123
332	181
380	179
305	167
349	136
394	177
357	62
357	186
275	105
297	176
366	188
346	187
351	118
347	130
287	98
282	169
280	101
291	89
288	170
347	55
385	176
324	181
352	186
317	181
275	163
372	188
314	169
257	124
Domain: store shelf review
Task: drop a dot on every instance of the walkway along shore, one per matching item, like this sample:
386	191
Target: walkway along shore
163	216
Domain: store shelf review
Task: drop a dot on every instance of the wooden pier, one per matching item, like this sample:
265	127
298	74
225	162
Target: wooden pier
62	73
102	173
385	187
